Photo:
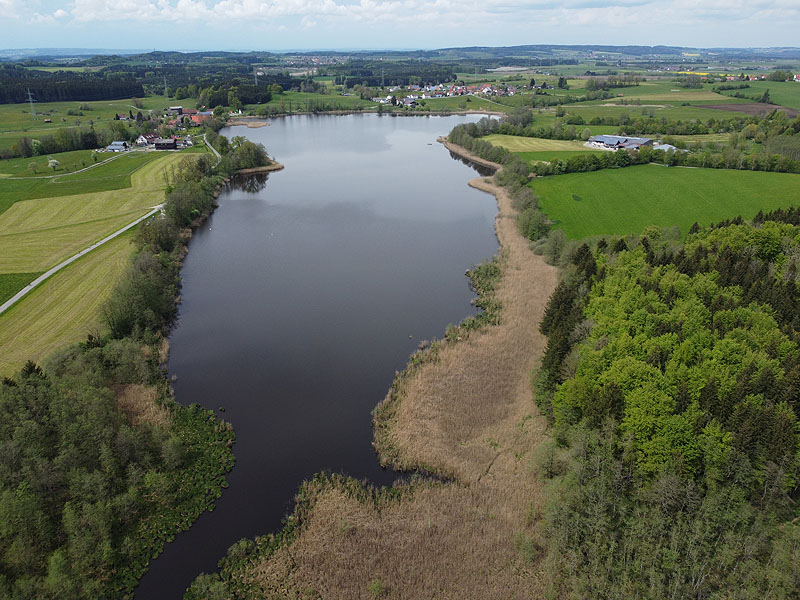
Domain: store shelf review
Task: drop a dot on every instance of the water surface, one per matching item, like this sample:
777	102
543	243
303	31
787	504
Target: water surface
301	299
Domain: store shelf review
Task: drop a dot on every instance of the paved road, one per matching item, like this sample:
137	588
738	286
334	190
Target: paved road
19	295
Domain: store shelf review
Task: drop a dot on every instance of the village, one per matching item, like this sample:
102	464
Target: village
416	93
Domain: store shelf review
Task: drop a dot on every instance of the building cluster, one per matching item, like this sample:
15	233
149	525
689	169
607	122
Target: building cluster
187	116
415	93
151	141
622	142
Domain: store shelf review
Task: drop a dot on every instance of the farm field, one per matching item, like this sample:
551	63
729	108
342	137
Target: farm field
37	234
658	110
784	93
526	144
114	175
11	283
36	166
64	309
589	204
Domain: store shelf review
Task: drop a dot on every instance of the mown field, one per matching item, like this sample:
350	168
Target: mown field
64	309
539	149
37	234
525	144
625	201
113	175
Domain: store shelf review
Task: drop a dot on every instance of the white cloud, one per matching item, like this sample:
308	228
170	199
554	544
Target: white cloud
497	22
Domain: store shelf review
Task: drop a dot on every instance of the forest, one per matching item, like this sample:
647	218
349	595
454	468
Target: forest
15	82
671	378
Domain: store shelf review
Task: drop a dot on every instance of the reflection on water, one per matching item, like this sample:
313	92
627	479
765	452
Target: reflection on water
483	170
248	183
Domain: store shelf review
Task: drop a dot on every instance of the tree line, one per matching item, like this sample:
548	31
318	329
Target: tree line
62	86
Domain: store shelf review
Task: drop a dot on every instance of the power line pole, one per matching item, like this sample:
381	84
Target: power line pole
31	101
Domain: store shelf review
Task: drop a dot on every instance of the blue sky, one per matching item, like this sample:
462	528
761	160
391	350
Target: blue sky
351	24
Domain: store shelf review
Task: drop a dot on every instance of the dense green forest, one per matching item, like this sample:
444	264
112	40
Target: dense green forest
99	466
15	81
672	378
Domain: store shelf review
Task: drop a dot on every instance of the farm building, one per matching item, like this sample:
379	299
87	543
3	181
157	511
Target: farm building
615	142
117	147
166	144
668	148
146	139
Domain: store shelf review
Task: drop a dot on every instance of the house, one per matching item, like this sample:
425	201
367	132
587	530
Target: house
189	111
175	110
615	142
118	147
146	139
200	118
162	144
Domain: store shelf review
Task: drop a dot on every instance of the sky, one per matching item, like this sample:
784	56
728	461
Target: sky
393	24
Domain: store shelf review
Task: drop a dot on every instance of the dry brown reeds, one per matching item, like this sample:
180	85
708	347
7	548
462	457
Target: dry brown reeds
139	404
467	413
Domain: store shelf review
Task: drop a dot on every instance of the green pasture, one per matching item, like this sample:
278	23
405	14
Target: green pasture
65	308
113	175
785	93
11	283
39	233
36	166
515	143
657	110
625	201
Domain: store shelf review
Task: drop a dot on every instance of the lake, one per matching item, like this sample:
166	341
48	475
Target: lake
303	294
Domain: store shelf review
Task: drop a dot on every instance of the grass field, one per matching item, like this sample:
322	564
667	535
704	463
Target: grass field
526	144
114	175
64	309
785	93
625	201
37	234
36	166
11	283
16	120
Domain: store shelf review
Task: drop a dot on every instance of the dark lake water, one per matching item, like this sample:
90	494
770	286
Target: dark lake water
301	300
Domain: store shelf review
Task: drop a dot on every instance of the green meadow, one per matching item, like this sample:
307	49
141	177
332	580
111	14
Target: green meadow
112	175
625	201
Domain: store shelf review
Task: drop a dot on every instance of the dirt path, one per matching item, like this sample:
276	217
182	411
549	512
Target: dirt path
469	414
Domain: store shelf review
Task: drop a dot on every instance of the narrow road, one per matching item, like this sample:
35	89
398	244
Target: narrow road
210	147
21	294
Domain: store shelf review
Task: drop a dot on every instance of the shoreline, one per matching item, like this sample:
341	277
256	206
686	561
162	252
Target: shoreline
253	121
463	409
275	166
